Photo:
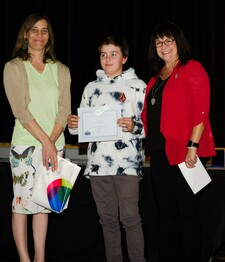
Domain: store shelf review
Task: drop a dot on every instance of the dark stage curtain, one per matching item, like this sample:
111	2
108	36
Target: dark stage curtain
79	25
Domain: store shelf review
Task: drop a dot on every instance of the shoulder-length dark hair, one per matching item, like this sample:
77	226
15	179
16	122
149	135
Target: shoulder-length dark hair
171	30
21	46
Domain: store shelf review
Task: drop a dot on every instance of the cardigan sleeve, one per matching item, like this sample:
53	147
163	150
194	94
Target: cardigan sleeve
64	81
16	88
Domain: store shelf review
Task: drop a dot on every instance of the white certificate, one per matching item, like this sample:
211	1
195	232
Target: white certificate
99	124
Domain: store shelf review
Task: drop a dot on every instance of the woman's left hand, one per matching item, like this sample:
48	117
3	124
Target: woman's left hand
126	123
191	157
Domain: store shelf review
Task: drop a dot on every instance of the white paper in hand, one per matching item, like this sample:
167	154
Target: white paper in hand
196	177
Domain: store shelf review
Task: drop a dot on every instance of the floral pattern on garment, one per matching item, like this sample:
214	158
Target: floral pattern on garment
24	161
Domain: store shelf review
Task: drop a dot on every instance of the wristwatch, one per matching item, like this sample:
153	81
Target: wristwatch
192	144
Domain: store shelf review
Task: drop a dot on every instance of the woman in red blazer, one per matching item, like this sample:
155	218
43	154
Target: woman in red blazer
177	128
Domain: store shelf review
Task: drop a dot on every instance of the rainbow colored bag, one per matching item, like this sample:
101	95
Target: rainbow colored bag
52	189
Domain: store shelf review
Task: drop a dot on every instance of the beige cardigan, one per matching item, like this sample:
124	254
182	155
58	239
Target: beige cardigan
17	91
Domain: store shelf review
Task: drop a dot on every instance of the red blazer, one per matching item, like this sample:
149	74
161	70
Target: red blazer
185	104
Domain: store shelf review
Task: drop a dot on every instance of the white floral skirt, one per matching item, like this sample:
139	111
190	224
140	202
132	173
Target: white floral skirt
24	161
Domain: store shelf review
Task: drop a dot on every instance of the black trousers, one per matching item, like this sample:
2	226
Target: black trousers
179	227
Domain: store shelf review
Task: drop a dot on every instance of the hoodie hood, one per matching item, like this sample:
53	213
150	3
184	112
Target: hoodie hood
128	74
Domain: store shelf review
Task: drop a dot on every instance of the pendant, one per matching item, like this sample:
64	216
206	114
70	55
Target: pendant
153	101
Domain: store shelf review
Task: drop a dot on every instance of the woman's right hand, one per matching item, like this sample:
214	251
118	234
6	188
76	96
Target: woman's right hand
72	121
49	155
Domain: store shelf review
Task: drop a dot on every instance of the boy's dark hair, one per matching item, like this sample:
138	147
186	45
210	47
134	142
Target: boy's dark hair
117	41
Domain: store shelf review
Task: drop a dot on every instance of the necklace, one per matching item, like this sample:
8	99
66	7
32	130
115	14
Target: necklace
156	87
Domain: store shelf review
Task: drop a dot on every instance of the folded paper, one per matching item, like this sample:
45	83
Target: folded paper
196	177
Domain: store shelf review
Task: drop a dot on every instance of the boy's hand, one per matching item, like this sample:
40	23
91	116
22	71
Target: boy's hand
72	121
126	123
